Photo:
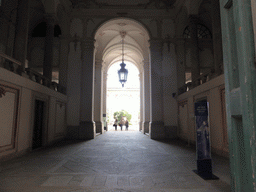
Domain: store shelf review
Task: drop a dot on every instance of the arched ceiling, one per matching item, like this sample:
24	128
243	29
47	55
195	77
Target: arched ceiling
109	42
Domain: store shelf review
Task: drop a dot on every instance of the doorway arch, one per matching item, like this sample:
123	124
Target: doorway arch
126	99
108	51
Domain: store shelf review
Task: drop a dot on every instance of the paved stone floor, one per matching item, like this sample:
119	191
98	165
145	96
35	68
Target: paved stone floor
112	162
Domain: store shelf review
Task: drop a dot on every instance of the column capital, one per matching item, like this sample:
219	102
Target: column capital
98	63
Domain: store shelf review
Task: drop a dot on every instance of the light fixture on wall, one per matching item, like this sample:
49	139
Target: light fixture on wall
122	73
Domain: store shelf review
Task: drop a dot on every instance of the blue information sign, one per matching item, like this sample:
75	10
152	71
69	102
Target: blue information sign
202	130
204	162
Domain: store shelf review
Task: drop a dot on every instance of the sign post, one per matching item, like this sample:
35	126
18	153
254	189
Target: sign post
203	148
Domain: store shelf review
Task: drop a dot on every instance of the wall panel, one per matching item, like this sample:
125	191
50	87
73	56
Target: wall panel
8	118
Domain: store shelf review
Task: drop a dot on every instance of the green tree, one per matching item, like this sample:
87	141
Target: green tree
122	113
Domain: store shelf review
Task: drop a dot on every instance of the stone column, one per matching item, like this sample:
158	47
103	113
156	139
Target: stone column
48	47
141	124
21	32
87	125
217	37
104	83
147	98
181	55
169	73
63	68
98	97
74	89
194	51
157	116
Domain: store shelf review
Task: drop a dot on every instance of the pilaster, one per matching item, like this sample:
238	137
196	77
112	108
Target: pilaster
147	98
21	32
98	97
216	33
48	47
104	83
170	109
194	51
87	125
157	123
141	123
63	68
181	54
74	88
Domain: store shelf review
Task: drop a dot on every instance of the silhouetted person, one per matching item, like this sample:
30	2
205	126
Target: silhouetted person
121	125
126	125
115	123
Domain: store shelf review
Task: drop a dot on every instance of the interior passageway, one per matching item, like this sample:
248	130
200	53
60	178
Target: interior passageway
115	161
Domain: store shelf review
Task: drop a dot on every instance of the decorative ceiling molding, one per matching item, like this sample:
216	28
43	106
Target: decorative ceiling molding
123	34
158	4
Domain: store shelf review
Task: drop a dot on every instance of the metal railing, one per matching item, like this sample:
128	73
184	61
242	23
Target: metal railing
15	66
203	78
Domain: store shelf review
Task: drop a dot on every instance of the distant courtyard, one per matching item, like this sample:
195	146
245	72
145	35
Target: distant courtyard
127	98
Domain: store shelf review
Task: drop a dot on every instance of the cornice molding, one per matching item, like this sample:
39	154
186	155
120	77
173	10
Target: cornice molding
151	4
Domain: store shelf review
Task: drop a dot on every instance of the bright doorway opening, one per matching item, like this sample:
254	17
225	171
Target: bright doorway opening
123	99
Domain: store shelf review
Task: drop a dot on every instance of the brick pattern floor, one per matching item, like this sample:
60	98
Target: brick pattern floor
112	162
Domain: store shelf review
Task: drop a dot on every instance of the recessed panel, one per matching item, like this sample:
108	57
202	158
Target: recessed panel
7	117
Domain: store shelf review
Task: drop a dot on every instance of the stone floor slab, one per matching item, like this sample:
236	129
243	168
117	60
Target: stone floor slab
112	162
57	181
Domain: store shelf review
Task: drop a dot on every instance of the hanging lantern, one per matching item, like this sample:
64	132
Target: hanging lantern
122	73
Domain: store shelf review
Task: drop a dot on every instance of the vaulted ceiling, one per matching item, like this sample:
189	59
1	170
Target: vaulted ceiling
109	41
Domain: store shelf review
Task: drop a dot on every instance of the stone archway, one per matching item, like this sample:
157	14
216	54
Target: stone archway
108	51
